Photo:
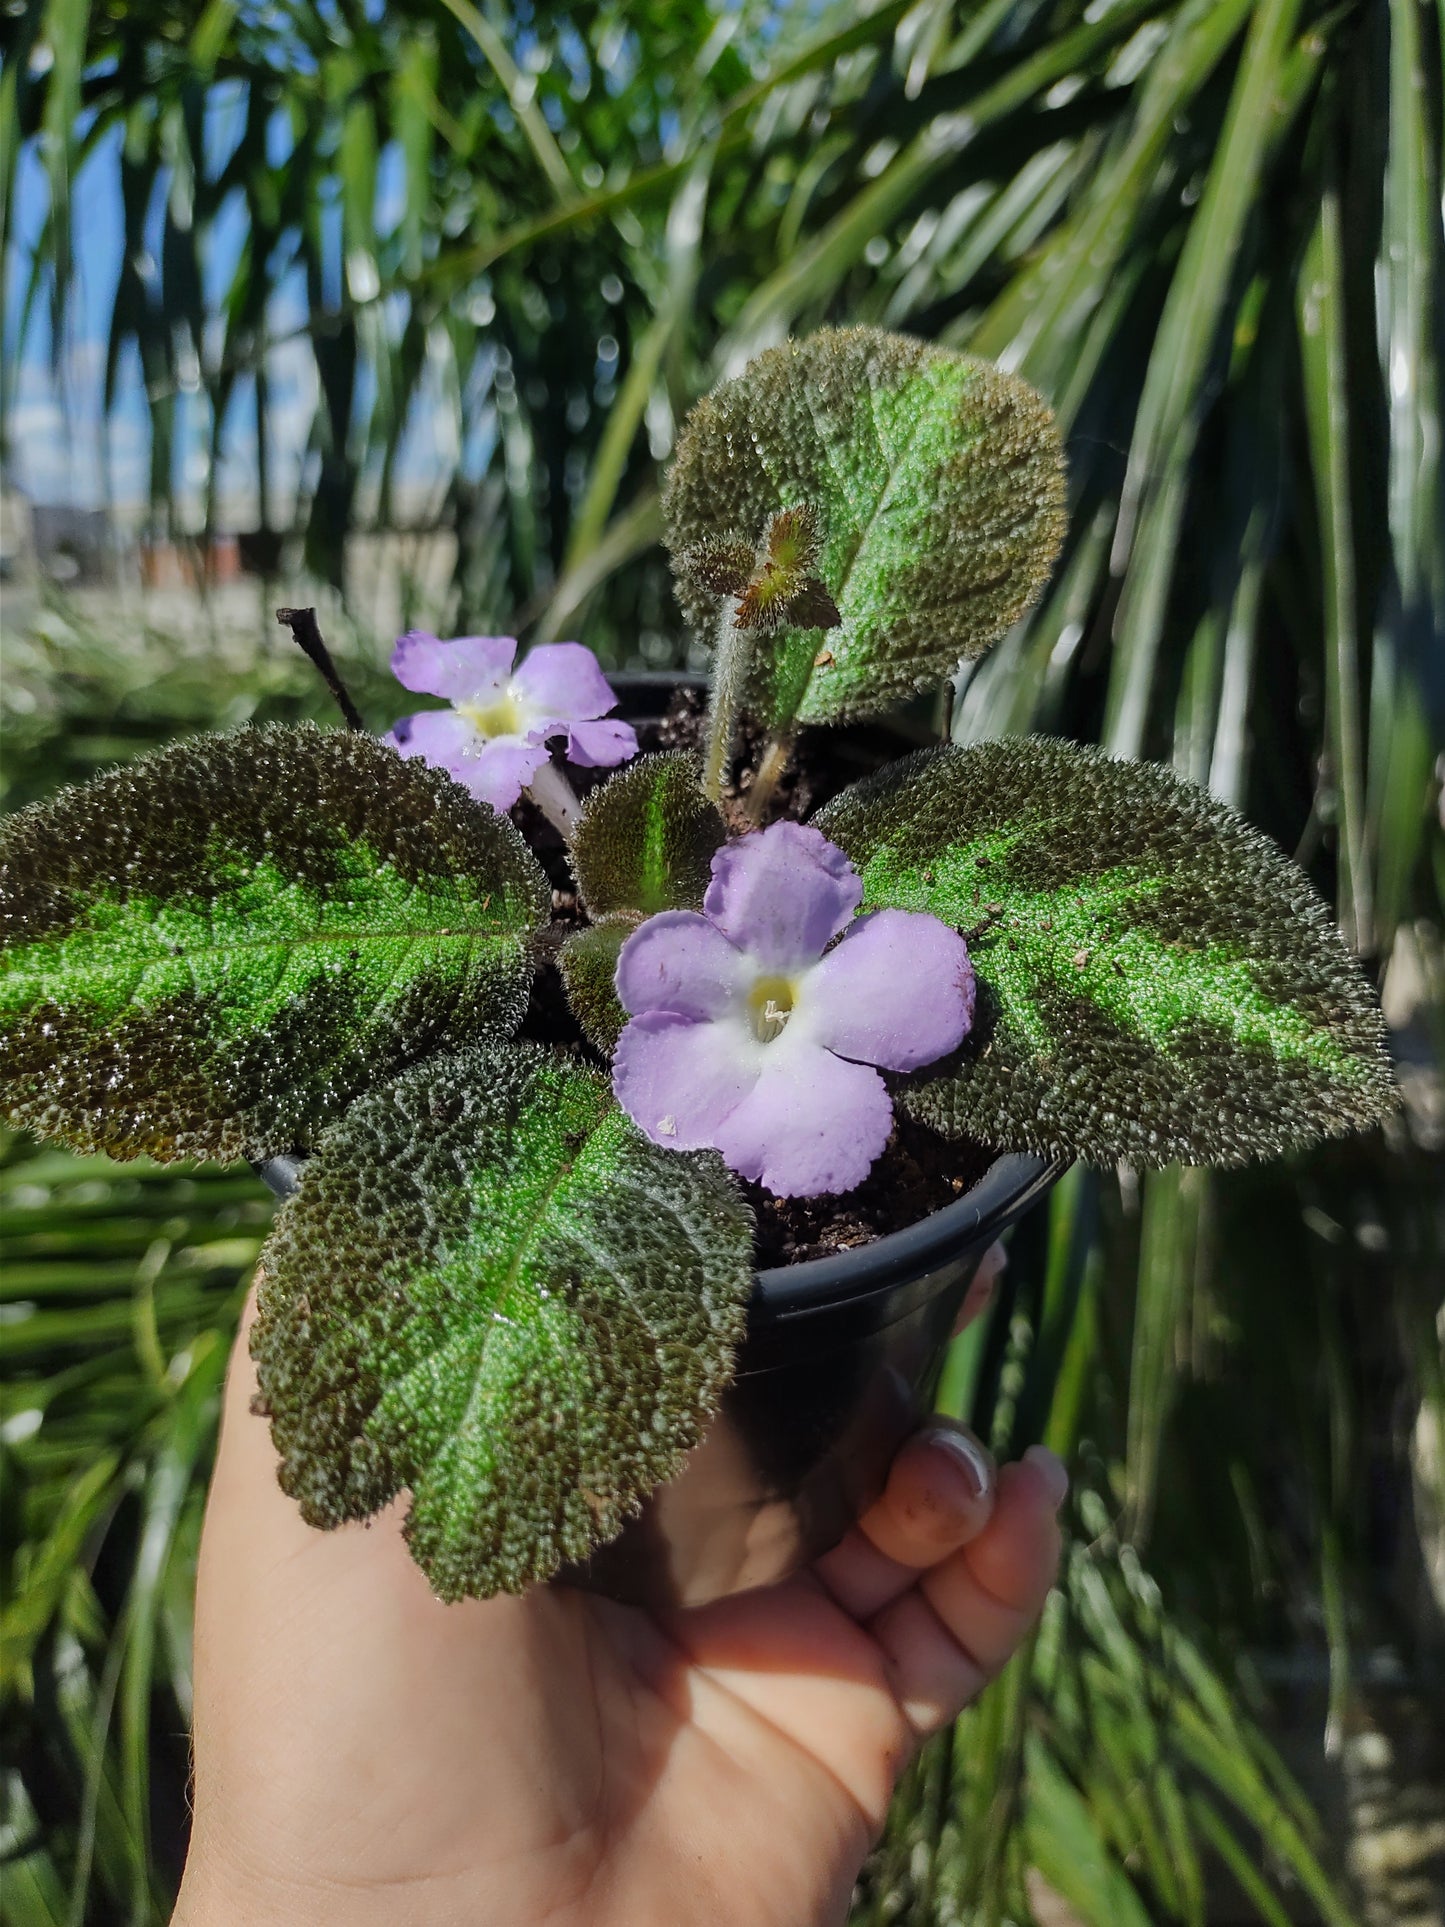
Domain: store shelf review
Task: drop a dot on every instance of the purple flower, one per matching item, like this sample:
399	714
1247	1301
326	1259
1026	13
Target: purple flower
494	737
751	1035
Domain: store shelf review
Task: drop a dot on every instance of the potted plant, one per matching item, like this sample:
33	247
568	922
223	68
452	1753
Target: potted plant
696	1078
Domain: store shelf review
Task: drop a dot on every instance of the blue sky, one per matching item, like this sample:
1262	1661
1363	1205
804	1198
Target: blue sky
61	446
56	438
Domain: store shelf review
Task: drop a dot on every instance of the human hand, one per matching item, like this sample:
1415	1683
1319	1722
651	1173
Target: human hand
364	1754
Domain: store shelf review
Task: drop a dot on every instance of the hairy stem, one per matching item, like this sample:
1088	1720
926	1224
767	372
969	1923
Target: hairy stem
730	674
555	798
775	760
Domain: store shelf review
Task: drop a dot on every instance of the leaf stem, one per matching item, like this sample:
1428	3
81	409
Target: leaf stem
775	761
555	798
733	659
307	636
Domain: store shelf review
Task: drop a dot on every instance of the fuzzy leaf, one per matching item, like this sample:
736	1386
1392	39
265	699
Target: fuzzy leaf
775	584
588	963
211	950
1156	981
722	565
647	838
937	482
492	1290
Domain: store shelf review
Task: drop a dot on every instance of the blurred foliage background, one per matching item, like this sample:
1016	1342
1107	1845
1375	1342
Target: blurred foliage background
512	246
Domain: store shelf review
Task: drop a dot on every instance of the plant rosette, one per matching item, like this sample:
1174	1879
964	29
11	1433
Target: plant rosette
517	1276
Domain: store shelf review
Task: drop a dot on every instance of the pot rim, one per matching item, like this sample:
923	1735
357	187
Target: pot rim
1005	1191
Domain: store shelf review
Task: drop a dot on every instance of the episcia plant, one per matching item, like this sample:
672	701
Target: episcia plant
534	1107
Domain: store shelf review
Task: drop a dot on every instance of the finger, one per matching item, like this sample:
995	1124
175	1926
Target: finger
939	1495
985	1282
948	1636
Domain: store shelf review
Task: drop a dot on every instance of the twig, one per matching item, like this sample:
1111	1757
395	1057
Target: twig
302	624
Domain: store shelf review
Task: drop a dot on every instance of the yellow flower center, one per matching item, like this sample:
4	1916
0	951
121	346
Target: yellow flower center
500	718
770	1003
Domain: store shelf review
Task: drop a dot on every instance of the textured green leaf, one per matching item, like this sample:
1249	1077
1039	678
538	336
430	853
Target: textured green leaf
1156	980
213	949
938	484
492	1290
588	963
647	838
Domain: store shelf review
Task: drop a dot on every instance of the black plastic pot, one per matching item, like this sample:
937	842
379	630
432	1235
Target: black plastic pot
839	1363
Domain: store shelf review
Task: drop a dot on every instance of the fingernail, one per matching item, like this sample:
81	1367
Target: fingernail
968	1455
1051	1470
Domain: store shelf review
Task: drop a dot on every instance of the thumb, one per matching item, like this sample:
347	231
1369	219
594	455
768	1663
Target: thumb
291	1623
263	1570
252	1528
328	1677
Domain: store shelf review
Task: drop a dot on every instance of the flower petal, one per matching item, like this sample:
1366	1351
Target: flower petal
781	893
897	990
679	1080
601	743
470	669
501	770
495	770
680	962
562	681
440	736
811	1123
